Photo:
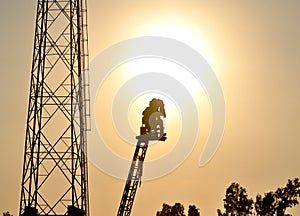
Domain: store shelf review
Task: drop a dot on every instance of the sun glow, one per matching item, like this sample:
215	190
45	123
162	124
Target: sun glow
122	74
177	29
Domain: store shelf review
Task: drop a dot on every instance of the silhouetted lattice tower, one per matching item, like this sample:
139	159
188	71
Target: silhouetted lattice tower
54	180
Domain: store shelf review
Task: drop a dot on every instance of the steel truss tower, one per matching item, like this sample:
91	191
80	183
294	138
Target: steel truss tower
55	180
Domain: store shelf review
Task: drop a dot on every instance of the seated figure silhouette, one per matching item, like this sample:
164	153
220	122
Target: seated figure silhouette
152	118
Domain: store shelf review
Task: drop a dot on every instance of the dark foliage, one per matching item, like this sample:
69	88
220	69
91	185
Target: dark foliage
177	210
276	203
193	211
236	202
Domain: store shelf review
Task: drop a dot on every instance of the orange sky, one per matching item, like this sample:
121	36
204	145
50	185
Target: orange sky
254	49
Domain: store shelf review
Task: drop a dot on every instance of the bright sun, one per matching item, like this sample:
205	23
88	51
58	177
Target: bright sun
138	67
117	78
177	29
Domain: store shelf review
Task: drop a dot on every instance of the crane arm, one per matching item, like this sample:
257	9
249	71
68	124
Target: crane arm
155	132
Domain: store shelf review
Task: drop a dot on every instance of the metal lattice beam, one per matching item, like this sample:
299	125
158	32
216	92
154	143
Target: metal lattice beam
134	177
55	161
152	129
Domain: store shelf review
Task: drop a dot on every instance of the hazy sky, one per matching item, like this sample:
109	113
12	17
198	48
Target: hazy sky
254	49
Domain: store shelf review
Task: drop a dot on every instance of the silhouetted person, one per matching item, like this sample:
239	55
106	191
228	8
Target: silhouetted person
151	116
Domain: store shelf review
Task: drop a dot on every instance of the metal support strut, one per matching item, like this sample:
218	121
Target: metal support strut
152	129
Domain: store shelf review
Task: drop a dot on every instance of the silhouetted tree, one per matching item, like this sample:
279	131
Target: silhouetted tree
176	210
265	206
277	202
7	214
166	210
236	202
193	211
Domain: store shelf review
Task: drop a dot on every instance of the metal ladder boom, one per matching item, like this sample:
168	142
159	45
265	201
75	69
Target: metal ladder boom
152	129
134	176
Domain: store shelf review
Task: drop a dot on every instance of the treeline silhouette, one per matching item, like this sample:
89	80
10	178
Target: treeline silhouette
237	202
177	210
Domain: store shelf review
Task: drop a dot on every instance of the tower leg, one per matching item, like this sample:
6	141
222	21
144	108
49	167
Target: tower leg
73	211
30	211
55	160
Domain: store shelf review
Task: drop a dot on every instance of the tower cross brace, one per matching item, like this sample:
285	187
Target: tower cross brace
55	178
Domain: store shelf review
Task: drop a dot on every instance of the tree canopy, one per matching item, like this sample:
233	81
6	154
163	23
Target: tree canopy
193	211
177	210
7	214
276	203
236	201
